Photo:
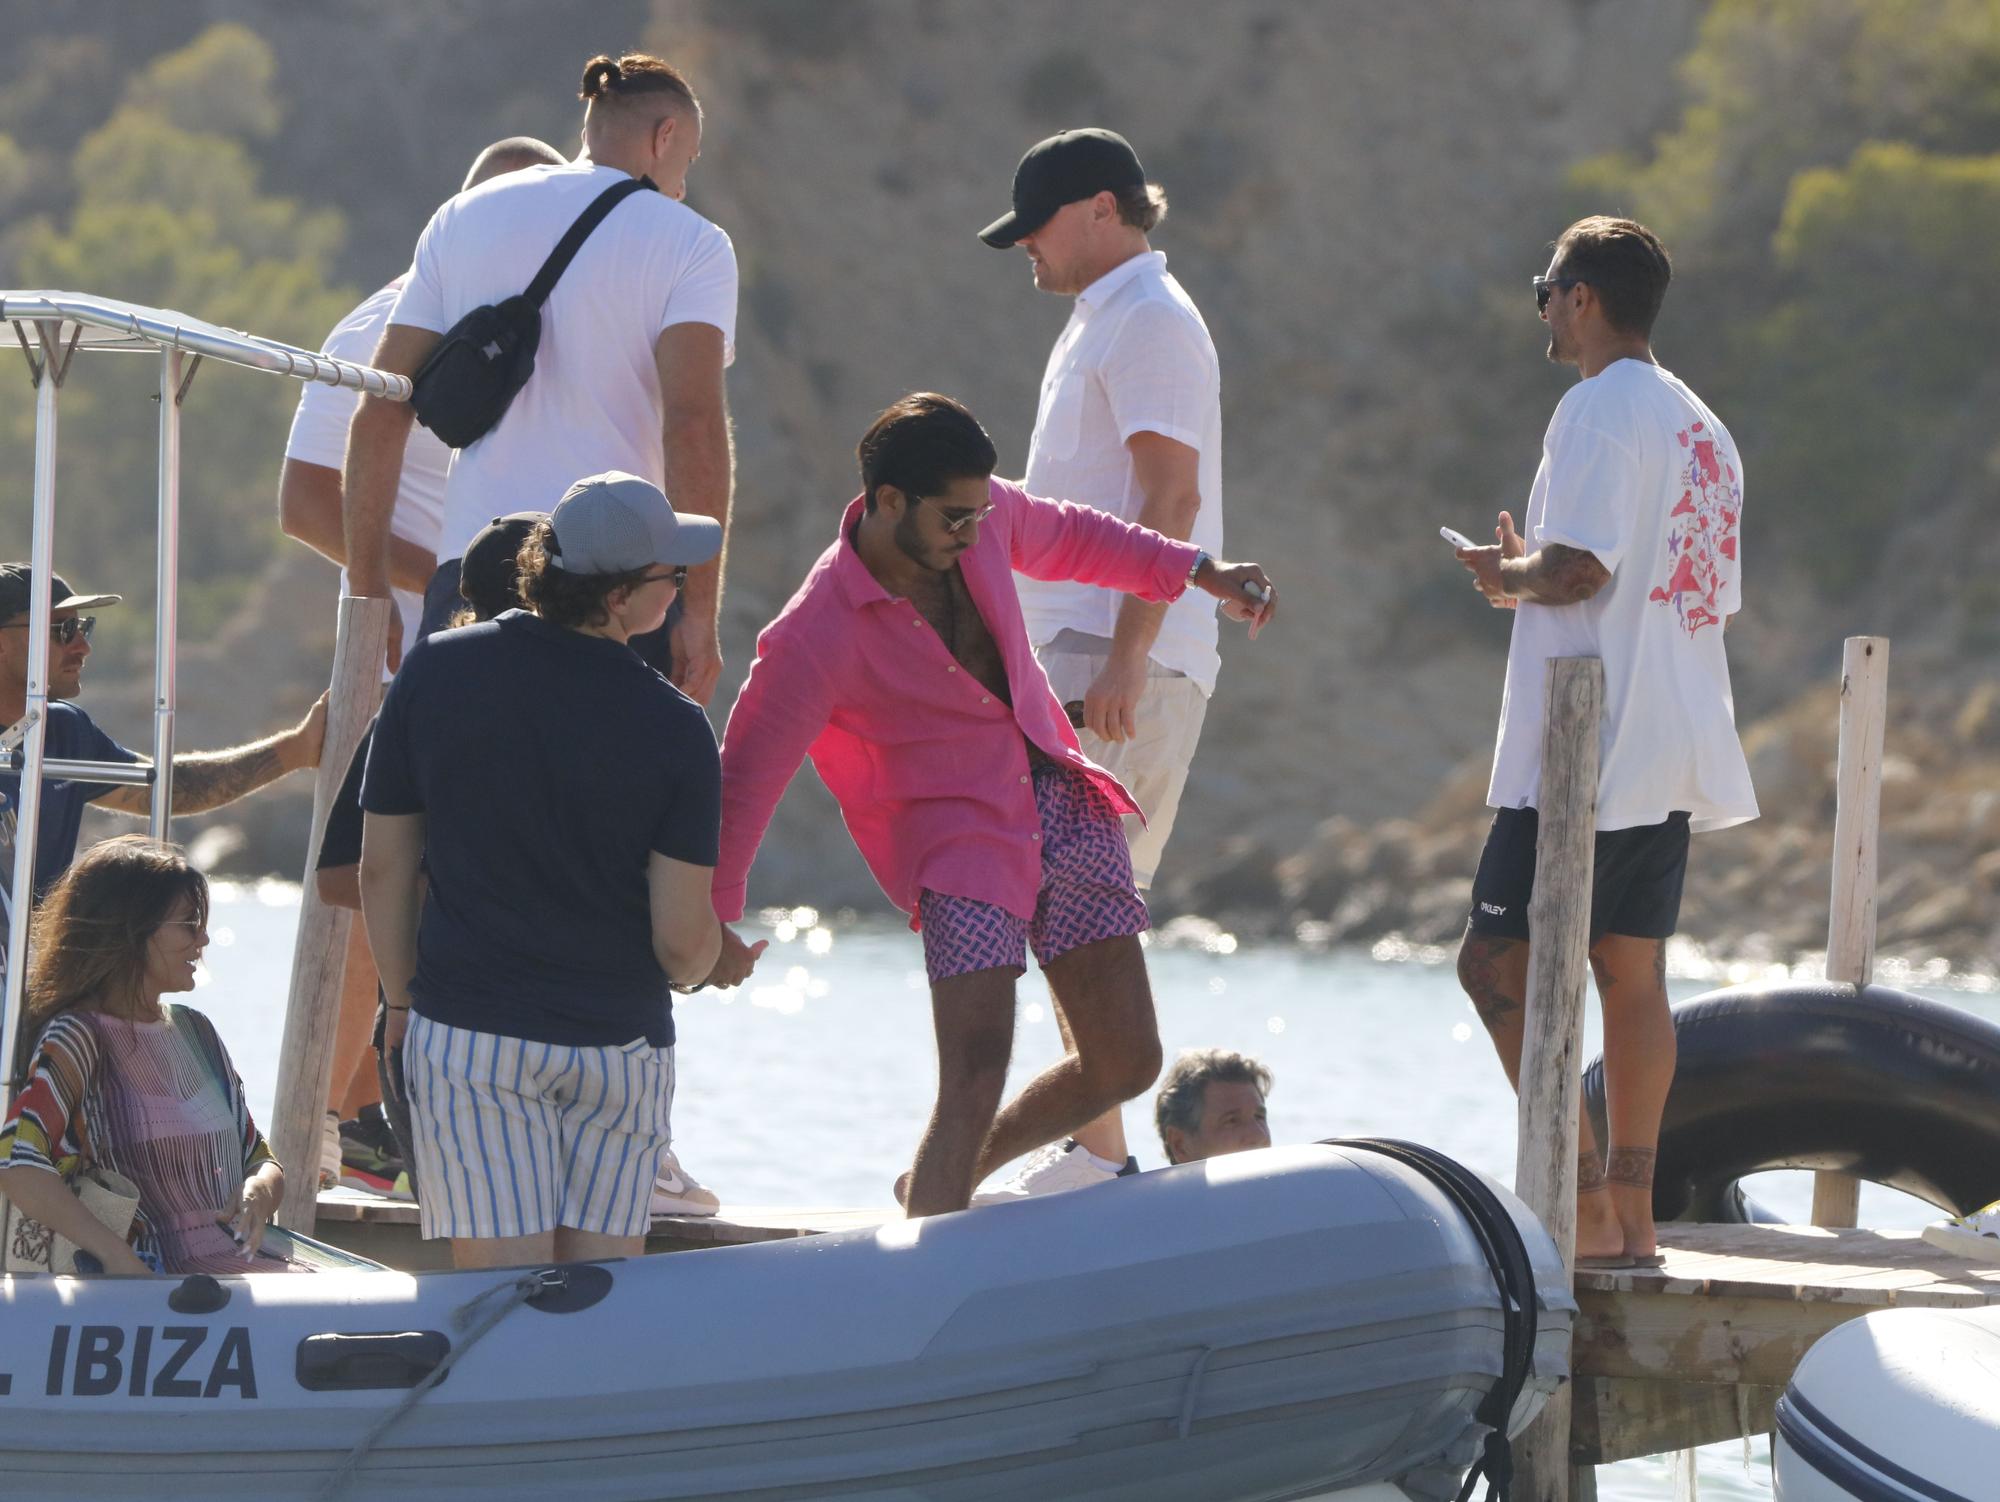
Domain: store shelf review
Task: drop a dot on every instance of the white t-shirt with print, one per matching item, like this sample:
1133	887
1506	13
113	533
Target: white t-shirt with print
1135	357
593	403
1638	472
319	436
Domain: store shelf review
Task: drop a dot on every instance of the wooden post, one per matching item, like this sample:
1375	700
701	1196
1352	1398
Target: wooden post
1857	819
305	1060
1552	1046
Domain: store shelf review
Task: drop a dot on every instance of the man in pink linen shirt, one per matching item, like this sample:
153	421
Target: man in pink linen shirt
902	668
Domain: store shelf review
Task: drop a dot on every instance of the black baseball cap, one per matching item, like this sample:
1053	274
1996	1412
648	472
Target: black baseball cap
17	583
487	572
1071	165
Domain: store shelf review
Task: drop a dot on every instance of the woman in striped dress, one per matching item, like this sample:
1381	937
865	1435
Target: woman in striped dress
122	1080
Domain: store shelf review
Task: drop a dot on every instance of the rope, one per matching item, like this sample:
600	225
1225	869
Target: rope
473	1319
1513	1273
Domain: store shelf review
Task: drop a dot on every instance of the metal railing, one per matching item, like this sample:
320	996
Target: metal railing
49	328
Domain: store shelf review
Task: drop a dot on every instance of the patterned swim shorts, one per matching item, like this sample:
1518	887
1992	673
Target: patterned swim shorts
1086	893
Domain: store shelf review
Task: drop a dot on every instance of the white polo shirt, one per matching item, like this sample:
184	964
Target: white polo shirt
319	436
1637	471
593	402
1134	358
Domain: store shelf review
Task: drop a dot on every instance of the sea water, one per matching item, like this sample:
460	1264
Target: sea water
810	1084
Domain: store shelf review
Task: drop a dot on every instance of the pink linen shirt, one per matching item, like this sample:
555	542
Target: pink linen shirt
929	768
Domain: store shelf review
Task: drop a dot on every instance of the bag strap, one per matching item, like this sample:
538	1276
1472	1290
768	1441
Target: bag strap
572	240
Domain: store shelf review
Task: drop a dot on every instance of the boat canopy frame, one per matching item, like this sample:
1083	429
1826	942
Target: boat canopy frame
50	328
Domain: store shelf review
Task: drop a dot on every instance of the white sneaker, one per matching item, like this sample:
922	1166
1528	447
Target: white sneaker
1974	1235
329	1150
678	1192
1055	1169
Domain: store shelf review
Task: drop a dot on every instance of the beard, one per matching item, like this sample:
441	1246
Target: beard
915	549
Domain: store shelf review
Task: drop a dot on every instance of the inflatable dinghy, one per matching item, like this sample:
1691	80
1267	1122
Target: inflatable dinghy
1898	1406
1869	1081
1272	1324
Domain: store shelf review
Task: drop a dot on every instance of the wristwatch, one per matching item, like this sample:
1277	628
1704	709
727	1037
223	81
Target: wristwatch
1199	560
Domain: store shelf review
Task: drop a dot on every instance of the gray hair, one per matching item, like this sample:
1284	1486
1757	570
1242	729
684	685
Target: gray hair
511	155
1179	1102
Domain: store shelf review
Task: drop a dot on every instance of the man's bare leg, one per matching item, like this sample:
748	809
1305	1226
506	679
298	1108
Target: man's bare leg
1102	992
353	1084
1640	1051
974	1018
1494	973
503	1251
1105	1136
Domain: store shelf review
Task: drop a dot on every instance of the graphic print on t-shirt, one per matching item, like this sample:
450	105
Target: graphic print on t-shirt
1701	531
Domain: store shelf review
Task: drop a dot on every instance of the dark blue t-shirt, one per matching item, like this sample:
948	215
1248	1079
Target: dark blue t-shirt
73	737
548	765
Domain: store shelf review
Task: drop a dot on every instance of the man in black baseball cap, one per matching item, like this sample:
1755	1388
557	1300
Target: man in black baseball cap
202	779
1068	166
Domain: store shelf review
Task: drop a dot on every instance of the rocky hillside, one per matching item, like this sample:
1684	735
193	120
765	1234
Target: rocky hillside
1350	184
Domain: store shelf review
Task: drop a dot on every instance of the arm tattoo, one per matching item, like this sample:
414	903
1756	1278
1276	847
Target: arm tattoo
208	779
1556	575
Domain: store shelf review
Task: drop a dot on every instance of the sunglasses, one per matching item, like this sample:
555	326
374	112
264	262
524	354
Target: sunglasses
63	631
678	573
1547	287
956	524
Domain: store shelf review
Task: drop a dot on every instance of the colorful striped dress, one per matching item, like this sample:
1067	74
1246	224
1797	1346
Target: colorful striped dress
160	1103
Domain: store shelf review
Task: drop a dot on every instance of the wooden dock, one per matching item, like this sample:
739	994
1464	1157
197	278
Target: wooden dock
1699	1350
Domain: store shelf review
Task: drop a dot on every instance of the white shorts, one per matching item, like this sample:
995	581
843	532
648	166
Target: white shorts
1153	765
514	1138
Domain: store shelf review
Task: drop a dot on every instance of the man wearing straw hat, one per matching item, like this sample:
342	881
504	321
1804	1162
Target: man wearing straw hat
1634	521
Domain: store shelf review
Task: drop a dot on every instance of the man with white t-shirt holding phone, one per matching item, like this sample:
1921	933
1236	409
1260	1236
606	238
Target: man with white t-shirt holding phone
1635	520
634	339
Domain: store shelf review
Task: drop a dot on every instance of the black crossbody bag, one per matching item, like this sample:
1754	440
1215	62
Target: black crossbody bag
482	362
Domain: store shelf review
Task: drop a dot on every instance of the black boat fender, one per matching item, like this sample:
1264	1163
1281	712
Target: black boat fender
1869	1081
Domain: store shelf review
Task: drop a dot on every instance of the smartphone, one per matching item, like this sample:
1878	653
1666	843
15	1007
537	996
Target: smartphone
1456	539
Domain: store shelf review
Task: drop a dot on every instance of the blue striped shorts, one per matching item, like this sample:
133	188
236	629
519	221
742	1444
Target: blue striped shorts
514	1138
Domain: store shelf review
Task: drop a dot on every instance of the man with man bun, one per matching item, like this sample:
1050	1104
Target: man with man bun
628	376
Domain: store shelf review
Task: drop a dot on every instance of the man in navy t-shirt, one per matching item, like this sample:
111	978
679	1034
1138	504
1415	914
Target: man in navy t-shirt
202	779
565	802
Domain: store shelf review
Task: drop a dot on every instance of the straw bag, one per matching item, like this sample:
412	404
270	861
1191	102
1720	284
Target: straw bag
33	1248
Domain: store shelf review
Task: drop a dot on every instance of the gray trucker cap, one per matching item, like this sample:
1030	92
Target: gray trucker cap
614	523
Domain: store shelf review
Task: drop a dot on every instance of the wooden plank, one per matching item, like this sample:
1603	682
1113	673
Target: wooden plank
1552	1044
1667	1336
386	1230
319	954
1618	1418
1850	930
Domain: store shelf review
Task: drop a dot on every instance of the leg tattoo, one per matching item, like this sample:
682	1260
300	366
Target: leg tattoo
1630	1165
1589	1173
1479	973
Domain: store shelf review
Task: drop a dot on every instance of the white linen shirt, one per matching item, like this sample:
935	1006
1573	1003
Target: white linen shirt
319	436
1135	357
593	402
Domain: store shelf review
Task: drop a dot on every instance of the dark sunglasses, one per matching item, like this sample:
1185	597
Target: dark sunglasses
956	524
1547	287
63	631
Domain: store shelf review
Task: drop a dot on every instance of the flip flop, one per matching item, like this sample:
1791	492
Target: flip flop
1652	1260
1619	1263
